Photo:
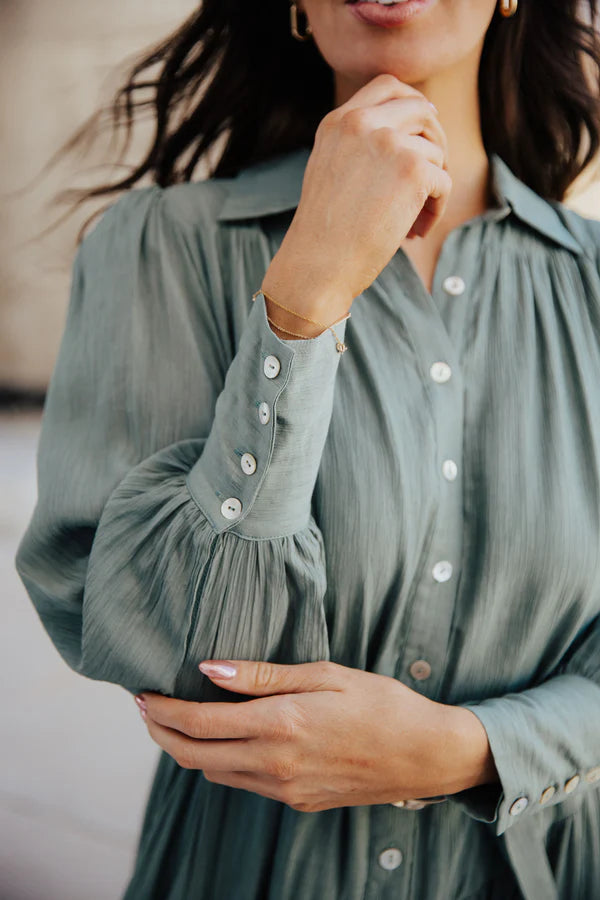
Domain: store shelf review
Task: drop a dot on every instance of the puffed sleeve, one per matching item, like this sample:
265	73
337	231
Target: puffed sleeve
151	549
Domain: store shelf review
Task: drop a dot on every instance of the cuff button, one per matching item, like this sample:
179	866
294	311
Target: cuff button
571	784
593	775
518	806
231	508
248	464
548	794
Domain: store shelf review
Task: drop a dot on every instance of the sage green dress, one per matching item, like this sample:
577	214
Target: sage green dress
425	505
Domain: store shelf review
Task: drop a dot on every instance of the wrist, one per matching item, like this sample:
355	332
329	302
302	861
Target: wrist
468	759
306	294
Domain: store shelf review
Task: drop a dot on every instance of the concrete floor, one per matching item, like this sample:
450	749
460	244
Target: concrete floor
77	759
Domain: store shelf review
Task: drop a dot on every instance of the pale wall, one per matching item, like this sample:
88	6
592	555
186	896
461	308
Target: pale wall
58	62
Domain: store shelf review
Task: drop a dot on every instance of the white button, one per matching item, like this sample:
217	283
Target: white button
449	469
454	285
440	372
271	367
593	775
442	570
548	794
231	508
264	413
518	806
571	784
248	464
420	669
390	859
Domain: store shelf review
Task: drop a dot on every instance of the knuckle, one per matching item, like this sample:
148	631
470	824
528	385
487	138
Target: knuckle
284	726
288	794
281	769
329	122
291	797
324	668
412	165
193	724
387	140
303	806
264	676
386	78
355	122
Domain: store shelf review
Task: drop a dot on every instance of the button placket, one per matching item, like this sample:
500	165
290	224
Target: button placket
424	317
391	829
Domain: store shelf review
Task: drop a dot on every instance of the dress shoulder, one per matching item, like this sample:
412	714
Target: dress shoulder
158	247
193	205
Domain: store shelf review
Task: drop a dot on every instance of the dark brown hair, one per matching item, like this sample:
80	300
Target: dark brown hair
233	75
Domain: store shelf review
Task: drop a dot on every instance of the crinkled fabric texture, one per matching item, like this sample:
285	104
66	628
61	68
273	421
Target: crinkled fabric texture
138	573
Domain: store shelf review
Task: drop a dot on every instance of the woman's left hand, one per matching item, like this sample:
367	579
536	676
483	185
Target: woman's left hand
322	735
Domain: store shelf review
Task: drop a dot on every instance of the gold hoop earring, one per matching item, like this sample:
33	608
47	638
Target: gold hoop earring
294	25
508	7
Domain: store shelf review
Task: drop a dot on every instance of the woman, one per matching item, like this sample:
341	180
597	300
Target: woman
384	533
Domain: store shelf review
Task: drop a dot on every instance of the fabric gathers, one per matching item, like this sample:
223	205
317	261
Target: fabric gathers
424	507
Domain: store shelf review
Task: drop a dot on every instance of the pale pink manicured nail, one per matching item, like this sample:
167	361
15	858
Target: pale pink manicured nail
140	702
218	670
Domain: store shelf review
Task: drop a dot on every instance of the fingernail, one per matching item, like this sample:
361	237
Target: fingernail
218	670
435	107
143	713
139	699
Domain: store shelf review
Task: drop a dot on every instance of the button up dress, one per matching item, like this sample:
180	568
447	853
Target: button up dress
425	505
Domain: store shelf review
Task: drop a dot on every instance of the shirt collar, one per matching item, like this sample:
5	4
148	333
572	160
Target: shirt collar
274	186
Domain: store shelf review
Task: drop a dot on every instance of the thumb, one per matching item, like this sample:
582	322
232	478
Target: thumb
265	678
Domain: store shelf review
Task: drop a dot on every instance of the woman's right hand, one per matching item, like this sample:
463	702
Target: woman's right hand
376	174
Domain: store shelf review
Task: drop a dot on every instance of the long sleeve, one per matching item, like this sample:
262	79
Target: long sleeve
545	740
175	469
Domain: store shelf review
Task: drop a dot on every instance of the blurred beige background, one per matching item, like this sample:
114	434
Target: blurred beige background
58	60
77	760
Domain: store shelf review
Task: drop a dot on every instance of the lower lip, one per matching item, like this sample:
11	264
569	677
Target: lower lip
388	16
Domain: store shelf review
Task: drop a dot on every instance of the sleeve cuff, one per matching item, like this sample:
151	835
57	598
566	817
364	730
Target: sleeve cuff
259	465
544	747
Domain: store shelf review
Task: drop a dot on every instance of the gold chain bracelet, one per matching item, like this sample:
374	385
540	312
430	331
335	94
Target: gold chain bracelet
339	345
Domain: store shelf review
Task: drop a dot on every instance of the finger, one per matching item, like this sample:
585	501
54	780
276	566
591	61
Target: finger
191	754
206	720
381	88
410	116
429	151
439	186
265	678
